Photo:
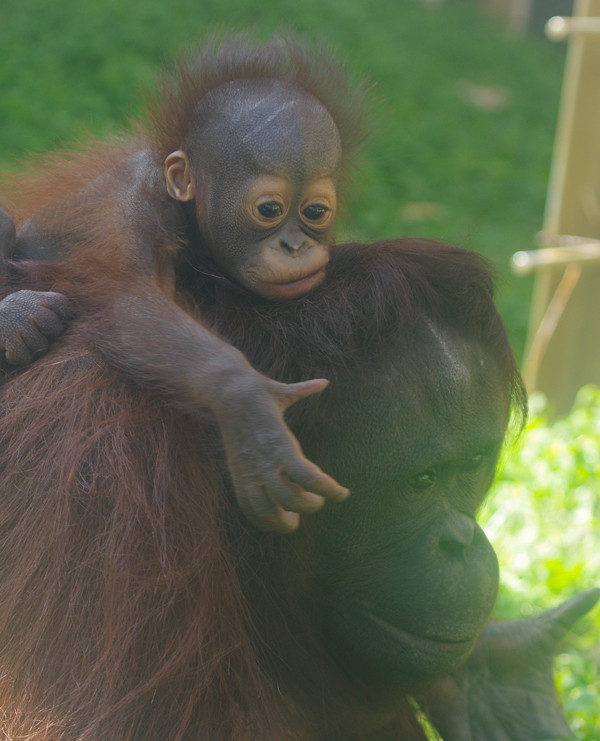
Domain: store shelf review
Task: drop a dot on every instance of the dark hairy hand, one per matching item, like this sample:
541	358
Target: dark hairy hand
29	320
273	481
506	690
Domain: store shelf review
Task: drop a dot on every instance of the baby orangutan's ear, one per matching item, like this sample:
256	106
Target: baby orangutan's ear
178	175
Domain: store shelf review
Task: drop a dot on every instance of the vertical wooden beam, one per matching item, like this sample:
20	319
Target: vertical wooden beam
570	358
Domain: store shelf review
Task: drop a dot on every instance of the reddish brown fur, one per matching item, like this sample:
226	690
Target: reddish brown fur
49	178
135	603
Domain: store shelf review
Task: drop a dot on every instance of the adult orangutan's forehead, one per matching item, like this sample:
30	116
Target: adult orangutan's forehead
268	125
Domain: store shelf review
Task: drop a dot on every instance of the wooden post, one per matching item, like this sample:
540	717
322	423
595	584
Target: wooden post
563	347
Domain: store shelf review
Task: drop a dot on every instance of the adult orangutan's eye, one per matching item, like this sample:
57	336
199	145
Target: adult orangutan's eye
423	480
473	463
270	210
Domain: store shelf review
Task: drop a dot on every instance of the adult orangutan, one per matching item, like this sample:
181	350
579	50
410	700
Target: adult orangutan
137	604
234	173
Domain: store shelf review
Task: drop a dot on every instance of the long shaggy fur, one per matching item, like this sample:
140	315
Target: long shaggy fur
135	603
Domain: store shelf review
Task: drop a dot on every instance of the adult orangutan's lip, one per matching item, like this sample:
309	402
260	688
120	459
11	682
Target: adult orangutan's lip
296	287
413	638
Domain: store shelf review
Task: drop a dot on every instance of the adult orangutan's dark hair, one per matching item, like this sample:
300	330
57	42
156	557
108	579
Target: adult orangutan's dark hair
381	292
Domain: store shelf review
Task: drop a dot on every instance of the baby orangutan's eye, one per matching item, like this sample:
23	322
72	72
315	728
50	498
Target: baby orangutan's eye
270	210
315	212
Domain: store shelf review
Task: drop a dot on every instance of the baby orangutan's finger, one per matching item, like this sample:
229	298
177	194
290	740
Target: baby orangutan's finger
310	477
292	497
265	514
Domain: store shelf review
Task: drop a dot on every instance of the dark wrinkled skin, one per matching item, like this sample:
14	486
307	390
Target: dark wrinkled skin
29	320
257	131
419	468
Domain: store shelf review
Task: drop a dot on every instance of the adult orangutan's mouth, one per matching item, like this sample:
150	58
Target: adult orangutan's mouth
440	643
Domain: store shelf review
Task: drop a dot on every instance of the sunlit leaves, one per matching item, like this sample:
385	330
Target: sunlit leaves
543	518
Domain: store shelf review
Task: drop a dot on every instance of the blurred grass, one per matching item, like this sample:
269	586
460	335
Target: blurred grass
543	518
442	158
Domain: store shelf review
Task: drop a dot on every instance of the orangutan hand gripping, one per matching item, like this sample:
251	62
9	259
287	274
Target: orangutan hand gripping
29	320
235	177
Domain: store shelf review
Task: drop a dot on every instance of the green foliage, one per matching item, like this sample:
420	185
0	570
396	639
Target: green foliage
461	133
543	518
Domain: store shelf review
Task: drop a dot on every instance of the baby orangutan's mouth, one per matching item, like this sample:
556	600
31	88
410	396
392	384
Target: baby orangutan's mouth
293	288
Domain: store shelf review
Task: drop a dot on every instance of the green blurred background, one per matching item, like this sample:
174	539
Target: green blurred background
461	130
458	147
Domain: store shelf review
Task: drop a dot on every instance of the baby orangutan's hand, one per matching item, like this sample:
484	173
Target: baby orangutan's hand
30	321
273	481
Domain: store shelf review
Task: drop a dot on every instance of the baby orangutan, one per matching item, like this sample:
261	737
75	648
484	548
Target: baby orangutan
234	173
